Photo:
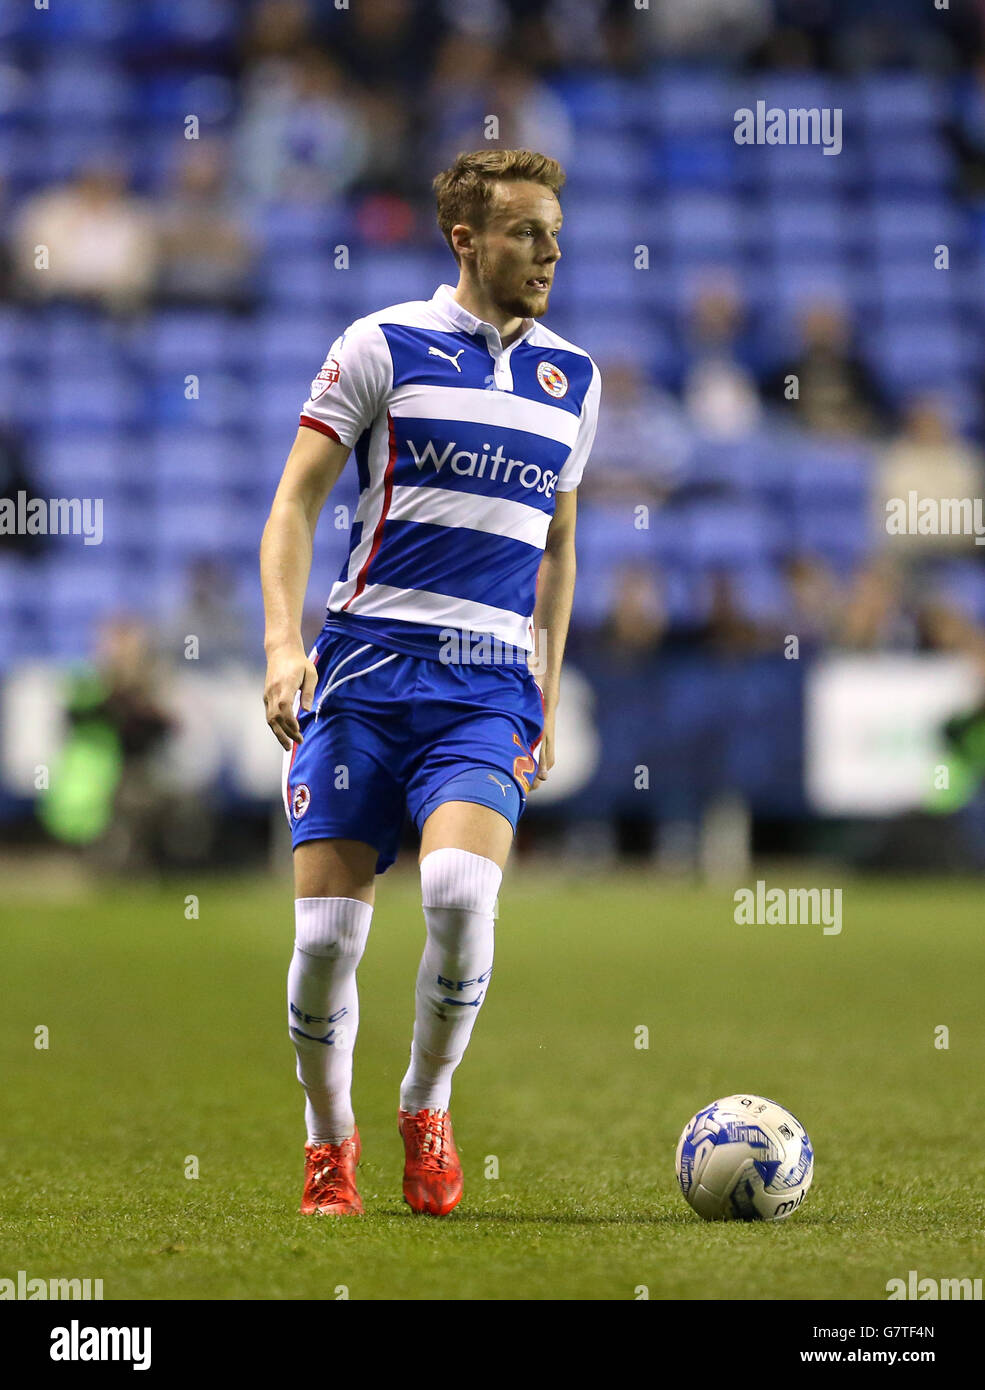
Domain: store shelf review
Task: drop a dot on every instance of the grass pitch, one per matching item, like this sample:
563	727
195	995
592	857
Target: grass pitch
167	1043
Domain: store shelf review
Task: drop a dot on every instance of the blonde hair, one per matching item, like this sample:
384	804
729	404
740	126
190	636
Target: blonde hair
464	192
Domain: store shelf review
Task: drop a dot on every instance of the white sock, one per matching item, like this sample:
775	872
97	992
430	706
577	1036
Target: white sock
323	1009
459	891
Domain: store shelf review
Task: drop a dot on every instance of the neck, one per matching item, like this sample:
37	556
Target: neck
471	297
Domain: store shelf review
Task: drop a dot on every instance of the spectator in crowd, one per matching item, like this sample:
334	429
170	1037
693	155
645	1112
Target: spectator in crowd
816	602
718	389
927	458
304	135
98	240
472	79
108	791
643	440
729	28
205	252
273	33
15	477
212	616
386	45
875	617
836	392
637	620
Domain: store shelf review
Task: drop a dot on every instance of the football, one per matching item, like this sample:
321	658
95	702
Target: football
744	1158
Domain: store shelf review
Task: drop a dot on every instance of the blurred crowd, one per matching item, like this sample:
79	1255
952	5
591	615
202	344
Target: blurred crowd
299	108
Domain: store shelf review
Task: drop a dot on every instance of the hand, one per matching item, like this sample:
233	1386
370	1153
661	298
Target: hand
545	759
288	671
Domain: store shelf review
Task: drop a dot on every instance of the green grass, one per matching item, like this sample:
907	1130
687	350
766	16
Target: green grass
168	1038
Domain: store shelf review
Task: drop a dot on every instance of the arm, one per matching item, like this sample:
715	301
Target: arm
312	469
552	613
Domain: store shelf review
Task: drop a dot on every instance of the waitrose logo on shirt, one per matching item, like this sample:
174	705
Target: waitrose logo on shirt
469	464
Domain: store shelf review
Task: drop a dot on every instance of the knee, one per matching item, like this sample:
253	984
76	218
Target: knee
332	928
456	878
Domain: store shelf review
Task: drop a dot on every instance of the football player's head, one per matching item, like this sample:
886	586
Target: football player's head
500	213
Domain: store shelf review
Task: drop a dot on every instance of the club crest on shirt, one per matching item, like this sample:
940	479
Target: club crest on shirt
327	377
552	379
301	800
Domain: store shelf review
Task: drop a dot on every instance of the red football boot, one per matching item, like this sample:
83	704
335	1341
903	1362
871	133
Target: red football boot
432	1171
330	1178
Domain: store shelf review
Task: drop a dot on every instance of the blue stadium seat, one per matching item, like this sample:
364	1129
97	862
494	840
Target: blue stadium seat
730	532
961	584
909	165
74	465
288	227
225	398
805	168
937	356
80	580
753	466
908	282
760	592
277	406
293	343
83	88
173	94
90	396
188	340
22	337
191	463
917	225
601	102
608	283
397	276
706	222
209	525
838	533
806	228
709	162
309	281
895	101
686	101
830	472
62	150
609	164
590	223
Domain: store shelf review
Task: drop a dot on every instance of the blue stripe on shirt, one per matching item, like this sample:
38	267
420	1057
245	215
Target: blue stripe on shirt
465	564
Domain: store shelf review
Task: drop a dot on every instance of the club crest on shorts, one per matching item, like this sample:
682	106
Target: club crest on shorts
327	377
301	800
552	379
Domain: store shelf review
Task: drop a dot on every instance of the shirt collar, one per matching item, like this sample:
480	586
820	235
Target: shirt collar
445	302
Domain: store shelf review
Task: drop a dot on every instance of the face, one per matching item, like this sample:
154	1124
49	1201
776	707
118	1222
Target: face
518	245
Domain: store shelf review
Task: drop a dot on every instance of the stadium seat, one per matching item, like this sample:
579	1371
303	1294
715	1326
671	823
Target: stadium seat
609	164
70	465
90	395
895	101
688	101
287	343
83	88
908	165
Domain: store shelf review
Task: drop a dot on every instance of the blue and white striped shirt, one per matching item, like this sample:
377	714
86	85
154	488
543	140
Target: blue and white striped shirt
460	446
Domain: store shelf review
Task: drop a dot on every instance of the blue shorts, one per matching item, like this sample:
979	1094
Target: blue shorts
389	732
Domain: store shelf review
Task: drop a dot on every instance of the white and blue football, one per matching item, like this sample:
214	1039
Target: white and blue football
744	1158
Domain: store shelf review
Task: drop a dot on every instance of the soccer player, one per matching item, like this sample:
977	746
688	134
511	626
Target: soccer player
471	425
